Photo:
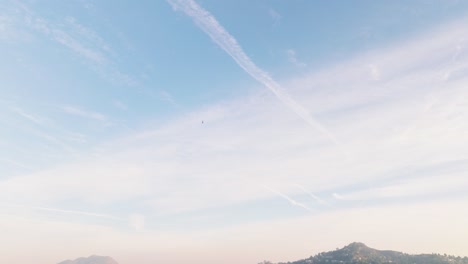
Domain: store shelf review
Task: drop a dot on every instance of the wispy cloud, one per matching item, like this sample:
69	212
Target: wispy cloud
45	131
64	211
91	52
208	23
14	163
89	35
83	41
288	198
389	128
84	113
28	116
73	44
119	104
428	186
166	96
292	57
310	194
75	212
5	24
274	15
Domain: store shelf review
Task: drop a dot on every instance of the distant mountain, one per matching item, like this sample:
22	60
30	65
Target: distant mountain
358	253
91	260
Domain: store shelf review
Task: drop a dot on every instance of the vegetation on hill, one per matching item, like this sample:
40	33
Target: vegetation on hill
358	253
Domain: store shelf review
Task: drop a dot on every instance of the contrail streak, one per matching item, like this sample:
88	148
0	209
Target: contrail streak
208	23
289	199
77	213
313	196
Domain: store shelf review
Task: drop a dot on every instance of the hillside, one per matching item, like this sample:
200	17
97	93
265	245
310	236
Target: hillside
354	253
358	253
91	260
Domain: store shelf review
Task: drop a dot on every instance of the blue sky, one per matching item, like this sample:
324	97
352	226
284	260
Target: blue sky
260	129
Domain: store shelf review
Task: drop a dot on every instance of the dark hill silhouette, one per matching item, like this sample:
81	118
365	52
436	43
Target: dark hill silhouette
91	260
359	253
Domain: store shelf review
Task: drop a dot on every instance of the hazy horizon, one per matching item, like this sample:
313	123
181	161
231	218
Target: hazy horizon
231	131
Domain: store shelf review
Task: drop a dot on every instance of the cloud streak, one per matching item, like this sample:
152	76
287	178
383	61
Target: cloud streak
82	41
28	116
292	57
288	198
63	211
208	23
183	166
83	113
429	186
313	196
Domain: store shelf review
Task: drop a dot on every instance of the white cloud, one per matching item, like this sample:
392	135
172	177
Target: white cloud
385	129
28	116
292	57
408	122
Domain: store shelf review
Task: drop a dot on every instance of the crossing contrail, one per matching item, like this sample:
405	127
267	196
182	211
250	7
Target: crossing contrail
208	23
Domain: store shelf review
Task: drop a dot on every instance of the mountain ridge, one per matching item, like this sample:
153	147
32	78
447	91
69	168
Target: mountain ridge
354	253
359	253
93	259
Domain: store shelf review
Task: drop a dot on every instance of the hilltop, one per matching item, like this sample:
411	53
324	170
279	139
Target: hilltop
359	253
91	260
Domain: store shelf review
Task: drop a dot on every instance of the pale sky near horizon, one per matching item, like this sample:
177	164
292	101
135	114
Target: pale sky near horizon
231	131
